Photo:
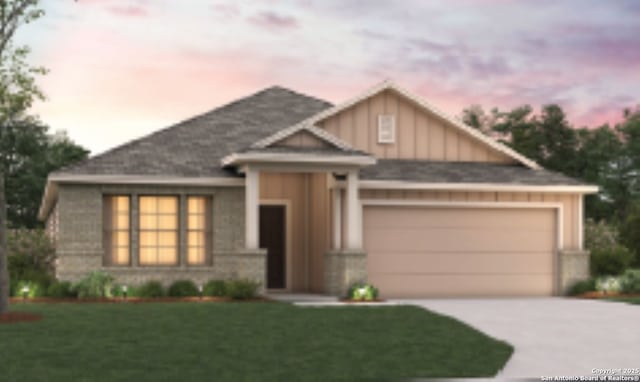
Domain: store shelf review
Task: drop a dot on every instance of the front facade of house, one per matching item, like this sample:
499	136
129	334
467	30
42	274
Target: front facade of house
304	196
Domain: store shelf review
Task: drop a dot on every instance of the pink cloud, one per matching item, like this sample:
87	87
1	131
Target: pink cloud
129	11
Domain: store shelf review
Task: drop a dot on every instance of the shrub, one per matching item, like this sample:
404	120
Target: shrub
30	256
117	291
215	288
362	291
581	287
608	284
34	289
183	288
241	289
630	233
95	285
150	289
610	262
630	281
61	289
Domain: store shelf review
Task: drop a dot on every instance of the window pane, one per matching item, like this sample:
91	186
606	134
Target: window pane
148	255
120	238
167	256
168	205
195	255
121	203
167	221
122	256
148	221
167	239
196	204
148	205
148	238
195	222
122	221
195	239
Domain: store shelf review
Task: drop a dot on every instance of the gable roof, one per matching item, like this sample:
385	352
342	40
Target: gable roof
195	147
388	85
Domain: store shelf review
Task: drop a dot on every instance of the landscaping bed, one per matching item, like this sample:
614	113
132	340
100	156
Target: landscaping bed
250	341
129	300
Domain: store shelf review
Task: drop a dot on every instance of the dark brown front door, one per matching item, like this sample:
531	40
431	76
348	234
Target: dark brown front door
272	237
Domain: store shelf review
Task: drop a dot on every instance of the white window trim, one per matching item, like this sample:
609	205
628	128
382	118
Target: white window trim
392	127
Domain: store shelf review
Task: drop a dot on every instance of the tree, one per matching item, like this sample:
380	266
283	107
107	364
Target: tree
18	90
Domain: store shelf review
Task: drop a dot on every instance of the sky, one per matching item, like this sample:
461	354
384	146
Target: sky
120	69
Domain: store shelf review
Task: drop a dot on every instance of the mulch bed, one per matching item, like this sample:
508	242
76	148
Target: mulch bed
129	300
596	295
14	317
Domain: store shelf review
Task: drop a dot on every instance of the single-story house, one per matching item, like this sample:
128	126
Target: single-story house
305	196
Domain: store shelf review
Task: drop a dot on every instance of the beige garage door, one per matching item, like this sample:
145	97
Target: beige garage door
439	252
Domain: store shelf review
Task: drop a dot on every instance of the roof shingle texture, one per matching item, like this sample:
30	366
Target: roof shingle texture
462	172
194	148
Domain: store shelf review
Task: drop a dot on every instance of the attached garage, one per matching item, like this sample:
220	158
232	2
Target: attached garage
449	251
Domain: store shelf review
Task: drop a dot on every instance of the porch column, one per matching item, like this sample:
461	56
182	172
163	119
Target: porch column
337	219
354	231
252	189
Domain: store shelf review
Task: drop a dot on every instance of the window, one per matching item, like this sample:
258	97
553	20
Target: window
158	230
198	230
116	230
386	128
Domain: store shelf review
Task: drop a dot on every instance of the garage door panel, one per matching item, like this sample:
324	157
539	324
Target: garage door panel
462	262
413	217
415	285
457	240
440	251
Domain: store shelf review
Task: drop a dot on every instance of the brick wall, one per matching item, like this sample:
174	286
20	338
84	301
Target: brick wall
80	250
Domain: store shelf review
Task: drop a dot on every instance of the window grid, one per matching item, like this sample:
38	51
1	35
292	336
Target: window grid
197	230
118	231
158	237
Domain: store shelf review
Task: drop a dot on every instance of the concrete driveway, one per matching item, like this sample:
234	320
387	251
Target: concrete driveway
553	336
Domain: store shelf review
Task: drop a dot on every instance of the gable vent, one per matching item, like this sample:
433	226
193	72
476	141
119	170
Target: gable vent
386	128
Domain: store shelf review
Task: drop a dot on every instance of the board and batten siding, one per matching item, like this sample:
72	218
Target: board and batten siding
419	133
570	204
307	195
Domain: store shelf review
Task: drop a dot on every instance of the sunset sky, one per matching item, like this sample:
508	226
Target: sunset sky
120	69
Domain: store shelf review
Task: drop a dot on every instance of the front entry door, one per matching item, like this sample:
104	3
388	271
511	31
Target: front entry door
272	238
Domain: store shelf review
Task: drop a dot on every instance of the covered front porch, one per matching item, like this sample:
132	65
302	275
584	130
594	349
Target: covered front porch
302	214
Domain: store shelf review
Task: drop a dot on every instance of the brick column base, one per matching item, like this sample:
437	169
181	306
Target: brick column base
574	267
251	264
342	269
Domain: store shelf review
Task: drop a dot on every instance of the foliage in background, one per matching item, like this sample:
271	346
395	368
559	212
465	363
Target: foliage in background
630	281
183	288
61	289
31	257
608	284
600	235
630	234
610	262
95	285
583	286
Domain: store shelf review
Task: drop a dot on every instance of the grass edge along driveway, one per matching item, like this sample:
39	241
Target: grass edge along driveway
242	341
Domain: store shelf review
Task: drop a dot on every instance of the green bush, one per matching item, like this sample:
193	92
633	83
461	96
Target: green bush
30	257
630	233
581	287
118	291
215	288
241	289
608	284
34	289
61	289
362	291
610	262
630	281
95	285
150	289
183	288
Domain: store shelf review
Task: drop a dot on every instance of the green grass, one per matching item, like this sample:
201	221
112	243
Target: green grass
630	300
241	341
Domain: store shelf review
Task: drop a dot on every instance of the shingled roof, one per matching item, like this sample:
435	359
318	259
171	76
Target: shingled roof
423	171
194	148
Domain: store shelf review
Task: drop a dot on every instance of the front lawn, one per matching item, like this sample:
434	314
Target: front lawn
241	341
